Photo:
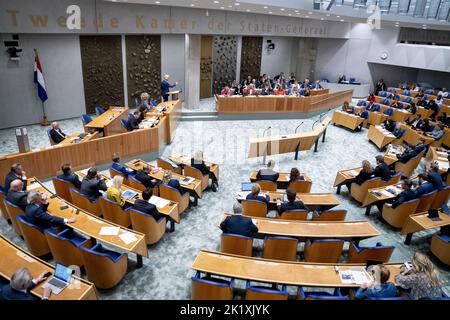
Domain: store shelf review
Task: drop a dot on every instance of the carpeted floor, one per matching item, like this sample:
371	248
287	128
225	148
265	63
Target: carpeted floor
166	273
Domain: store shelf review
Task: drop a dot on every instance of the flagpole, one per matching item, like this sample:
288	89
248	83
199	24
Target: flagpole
44	121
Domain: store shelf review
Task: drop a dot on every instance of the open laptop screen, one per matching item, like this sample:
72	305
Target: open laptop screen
63	273
246	186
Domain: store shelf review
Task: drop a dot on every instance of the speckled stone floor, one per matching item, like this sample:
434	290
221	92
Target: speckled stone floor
166	273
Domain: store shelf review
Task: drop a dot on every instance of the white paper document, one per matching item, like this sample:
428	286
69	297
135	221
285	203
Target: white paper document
442	164
128	237
353	277
84	171
109	231
159	202
109	183
352	173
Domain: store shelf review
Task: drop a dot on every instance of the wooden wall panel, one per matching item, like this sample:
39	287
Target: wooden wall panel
206	67
143	66
101	58
224	65
251	57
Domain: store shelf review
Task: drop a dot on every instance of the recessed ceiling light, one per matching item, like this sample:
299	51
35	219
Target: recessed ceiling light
222	7
328	15
282	9
270	12
192	5
424	25
306	16
289	14
266	7
157	2
342	20
296	11
338	16
237	4
321	18
309	12
230	6
216	1
248	10
397	25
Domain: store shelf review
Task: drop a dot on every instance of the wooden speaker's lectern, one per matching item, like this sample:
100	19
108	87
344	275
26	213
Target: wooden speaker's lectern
174	95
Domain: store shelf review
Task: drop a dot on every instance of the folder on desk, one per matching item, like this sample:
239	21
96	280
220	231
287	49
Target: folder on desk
159	202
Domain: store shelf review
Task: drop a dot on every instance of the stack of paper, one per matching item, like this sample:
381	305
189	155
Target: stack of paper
442	164
128	237
159	202
354	277
109	231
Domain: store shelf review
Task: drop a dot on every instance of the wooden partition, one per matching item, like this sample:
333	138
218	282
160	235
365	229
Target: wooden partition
281	104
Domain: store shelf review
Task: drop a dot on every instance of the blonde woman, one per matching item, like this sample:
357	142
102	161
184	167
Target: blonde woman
145	101
255	194
421	277
114	192
365	174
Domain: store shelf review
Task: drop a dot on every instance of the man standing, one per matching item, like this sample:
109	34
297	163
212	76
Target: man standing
165	87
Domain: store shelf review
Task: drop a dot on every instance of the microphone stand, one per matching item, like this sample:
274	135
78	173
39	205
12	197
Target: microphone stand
298	145
265	150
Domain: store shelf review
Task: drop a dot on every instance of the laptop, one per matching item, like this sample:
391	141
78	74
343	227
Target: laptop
128	194
246	186
60	280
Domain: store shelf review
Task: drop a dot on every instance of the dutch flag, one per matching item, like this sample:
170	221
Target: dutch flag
39	79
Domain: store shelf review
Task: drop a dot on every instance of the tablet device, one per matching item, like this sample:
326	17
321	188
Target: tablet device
246	186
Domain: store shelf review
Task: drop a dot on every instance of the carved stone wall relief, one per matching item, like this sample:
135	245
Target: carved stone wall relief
251	57
224	61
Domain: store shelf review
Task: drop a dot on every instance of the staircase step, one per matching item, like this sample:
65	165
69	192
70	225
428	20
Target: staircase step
199	118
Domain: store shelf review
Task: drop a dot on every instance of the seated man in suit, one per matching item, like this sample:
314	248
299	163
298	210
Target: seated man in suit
118	167
20	286
238	224
389	125
69	176
15	173
16	195
434	177
133	120
406	195
255	194
417	122
92	184
420	146
142	175
172	182
423	186
408	154
144	206
198	163
56	133
382	169
291	204
36	212
437	133
268	173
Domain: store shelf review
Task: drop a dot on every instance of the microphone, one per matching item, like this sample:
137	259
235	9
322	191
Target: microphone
320	117
266	130
298	127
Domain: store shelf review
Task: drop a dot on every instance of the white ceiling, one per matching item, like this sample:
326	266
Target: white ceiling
298	8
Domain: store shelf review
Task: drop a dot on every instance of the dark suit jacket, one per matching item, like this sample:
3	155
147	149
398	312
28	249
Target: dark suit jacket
8	293
144	178
403	197
362	177
174	183
200	166
259	198
72	178
38	215
406	156
382	171
91	188
10	177
287	206
238	224
57	135
19	198
122	169
424	188
267	174
148	208
436	180
133	123
419	148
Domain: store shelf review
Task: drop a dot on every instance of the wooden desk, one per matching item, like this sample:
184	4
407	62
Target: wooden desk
47	162
440	157
390	157
371	198
281	104
281	272
185	160
173	115
288	143
283	179
380	137
195	188
347	120
345	176
412	136
350	230
91	225
72	138
109	121
376	118
171	210
318	92
14	258
420	221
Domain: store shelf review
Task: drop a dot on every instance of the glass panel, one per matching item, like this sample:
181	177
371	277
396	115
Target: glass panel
384	5
443	13
419	8
403	6
433	9
359	3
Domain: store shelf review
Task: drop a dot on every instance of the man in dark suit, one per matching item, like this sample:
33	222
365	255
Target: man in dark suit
36	212
15	173
166	86
420	146
92	184
406	195
144	206
174	183
382	169
69	176
434	177
20	286
238	224
133	120
423	186
16	196
118	167
142	175
291	204
408	154
56	133
268	173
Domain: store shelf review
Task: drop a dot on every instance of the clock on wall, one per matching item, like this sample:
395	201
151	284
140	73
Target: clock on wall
384	55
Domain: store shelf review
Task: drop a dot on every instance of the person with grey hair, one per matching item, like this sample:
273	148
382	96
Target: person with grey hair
165	87
36	212
16	195
56	133
268	173
238	224
20	286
